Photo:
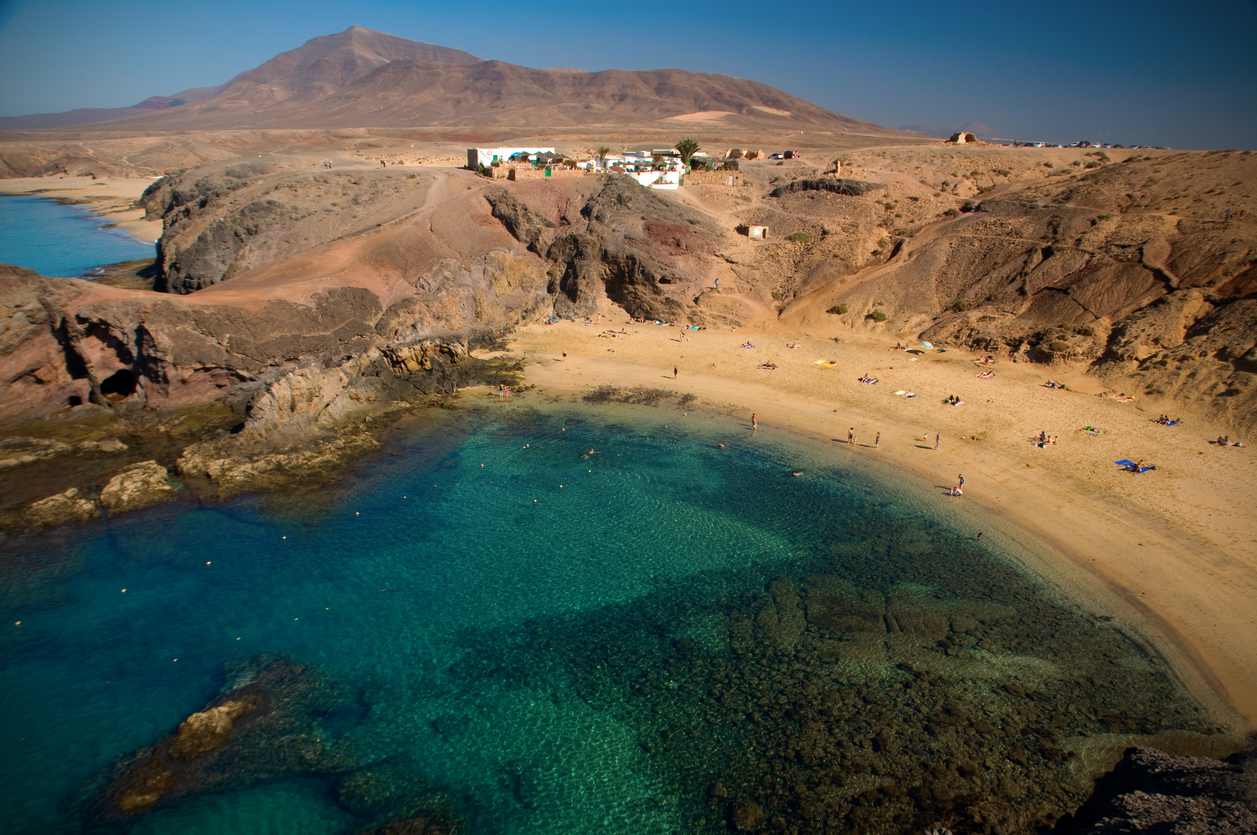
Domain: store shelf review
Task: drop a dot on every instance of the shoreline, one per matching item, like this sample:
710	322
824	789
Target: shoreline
112	198
1090	529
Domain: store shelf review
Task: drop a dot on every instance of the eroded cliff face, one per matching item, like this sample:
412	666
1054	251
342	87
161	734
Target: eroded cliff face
1132	268
649	254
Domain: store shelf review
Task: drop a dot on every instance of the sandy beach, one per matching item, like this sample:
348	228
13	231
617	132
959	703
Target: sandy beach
1172	552
111	198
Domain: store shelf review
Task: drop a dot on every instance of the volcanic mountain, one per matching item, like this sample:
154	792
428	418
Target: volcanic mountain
363	78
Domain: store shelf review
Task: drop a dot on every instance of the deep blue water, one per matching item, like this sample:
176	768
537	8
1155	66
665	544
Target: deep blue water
62	240
534	638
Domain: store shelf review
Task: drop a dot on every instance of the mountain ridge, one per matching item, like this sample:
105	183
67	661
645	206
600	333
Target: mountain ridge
364	78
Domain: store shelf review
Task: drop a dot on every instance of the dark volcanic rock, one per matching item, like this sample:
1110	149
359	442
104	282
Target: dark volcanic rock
633	246
850	188
216	254
1152	792
526	225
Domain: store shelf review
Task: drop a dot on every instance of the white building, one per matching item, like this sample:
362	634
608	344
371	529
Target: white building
477	157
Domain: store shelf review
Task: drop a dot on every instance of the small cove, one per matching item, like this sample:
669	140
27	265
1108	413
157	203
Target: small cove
64	240
540	639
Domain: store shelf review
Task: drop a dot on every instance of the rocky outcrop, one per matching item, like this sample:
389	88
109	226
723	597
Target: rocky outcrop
627	243
1152	792
74	505
236	466
139	486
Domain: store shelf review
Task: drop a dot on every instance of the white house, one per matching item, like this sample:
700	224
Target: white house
477	157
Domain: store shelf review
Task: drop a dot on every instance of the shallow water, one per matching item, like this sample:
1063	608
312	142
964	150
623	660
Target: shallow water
500	626
62	240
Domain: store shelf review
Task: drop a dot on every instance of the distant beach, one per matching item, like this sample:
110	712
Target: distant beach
112	198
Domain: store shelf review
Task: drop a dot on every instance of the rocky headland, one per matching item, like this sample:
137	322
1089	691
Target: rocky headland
311	304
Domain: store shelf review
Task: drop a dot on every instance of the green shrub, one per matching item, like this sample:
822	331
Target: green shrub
878	316
960	306
1058	347
1003	172
969	206
876	253
838	309
799	238
952	213
901	231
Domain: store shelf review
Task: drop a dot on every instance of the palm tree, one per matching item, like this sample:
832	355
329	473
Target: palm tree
602	151
688	148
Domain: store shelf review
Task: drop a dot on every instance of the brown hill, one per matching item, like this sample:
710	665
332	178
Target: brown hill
318	67
90	115
364	78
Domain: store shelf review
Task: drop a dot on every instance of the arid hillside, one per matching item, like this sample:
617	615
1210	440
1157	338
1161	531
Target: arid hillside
301	301
361	78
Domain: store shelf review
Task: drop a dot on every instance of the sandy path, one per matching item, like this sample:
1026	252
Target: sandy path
113	198
1172	553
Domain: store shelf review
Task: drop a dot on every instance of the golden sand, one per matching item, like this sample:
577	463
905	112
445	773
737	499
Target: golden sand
112	198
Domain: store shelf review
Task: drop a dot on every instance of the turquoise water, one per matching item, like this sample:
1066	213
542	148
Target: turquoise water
487	622
61	240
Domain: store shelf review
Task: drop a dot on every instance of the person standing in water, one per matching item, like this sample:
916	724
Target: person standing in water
754	421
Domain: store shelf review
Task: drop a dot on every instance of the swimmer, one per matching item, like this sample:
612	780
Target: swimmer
797	473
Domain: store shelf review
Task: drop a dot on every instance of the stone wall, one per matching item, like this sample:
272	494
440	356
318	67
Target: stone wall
518	173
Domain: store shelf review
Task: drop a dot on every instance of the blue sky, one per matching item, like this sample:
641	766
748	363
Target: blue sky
1172	74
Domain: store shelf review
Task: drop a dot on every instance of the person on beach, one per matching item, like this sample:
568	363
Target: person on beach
565	356
674	372
877	440
754	421
962	481
937	439
851	435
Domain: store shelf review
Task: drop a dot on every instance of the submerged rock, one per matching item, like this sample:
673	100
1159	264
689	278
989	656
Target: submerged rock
266	727
423	825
